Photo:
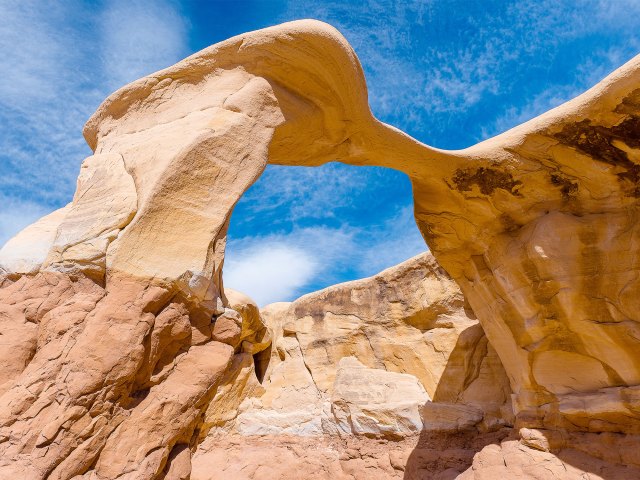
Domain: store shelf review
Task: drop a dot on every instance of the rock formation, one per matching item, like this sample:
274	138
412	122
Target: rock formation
122	354
354	368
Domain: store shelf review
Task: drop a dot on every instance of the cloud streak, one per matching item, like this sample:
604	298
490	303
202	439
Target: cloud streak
58	64
282	266
436	68
270	271
16	215
140	37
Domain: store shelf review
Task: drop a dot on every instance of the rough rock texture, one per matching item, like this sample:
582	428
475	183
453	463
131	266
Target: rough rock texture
481	456
110	304
367	357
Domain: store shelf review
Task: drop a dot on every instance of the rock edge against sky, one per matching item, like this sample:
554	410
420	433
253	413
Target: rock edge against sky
125	357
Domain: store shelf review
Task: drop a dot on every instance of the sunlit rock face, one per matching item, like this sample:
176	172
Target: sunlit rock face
370	367
121	352
540	229
404	332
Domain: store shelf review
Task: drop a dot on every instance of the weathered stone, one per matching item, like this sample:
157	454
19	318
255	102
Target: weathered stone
538	226
228	327
372	402
27	251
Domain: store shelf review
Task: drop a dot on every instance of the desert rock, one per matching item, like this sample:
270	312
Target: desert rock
110	304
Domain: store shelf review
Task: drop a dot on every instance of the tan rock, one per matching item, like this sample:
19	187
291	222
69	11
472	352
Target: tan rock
449	417
408	319
26	252
294	398
372	402
538	226
253	327
104	203
239	382
228	327
511	459
289	402
416	300
140	445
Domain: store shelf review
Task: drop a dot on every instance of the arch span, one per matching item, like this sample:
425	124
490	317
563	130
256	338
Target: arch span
522	221
539	226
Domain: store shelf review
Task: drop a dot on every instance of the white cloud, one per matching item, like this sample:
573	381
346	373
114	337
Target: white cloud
59	61
43	101
600	64
271	272
310	192
31	52
278	266
541	103
140	37
430	65
281	267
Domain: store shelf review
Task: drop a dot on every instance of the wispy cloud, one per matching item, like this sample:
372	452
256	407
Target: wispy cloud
59	62
436	68
290	194
542	102
278	266
16	215
591	71
270	272
282	266
139	37
43	101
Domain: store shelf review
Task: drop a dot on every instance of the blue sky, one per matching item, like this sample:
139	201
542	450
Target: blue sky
450	73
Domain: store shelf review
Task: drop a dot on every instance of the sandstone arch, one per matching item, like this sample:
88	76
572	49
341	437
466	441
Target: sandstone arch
539	226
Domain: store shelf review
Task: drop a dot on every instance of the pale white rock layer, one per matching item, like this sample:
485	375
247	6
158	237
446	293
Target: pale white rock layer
374	402
25	253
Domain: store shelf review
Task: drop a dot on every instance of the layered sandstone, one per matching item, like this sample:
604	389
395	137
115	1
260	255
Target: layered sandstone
368	357
119	335
391	358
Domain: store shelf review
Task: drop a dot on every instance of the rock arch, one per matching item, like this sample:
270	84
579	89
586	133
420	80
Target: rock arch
539	226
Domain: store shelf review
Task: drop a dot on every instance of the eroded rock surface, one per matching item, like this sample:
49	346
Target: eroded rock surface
348	376
114	364
405	332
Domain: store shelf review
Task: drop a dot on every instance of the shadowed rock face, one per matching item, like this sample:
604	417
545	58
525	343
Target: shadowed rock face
114	358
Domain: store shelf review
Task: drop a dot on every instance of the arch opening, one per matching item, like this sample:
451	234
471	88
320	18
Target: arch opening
301	229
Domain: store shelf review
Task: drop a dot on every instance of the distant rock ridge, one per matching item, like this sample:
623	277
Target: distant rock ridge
121	352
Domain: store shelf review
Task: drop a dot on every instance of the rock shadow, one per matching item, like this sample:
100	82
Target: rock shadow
446	455
455	432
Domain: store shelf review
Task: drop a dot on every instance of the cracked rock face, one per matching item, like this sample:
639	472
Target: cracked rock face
121	352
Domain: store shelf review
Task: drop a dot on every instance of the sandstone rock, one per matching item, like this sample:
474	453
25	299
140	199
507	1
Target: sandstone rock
540	232
294	398
511	459
372	402
104	203
253	327
238	383
408	319
538	226
434	338
26	252
289	402
449	417
141	444
228	327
